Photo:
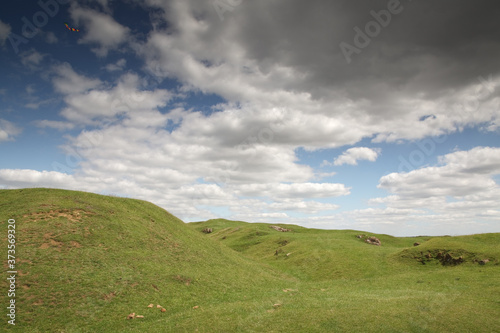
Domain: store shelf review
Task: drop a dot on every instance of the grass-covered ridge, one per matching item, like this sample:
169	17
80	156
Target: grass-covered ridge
86	261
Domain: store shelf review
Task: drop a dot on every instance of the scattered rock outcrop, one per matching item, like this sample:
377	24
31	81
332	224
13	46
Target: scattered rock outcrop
275	227
207	230
416	244
373	241
370	240
447	259
484	261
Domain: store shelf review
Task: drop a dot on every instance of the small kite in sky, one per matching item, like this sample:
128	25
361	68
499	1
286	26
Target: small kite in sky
71	29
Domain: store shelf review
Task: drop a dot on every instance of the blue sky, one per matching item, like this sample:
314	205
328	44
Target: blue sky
381	116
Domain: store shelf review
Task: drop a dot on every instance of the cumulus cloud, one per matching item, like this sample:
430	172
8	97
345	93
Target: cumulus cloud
67	81
99	105
353	155
118	66
59	125
298	190
8	130
459	190
299	205
100	29
31	59
463	173
28	178
274	62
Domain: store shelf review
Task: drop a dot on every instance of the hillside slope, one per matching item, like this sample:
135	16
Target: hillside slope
86	261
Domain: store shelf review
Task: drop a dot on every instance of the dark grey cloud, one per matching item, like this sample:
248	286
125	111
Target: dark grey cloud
427	47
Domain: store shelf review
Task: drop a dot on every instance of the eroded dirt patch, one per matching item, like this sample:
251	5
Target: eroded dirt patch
71	215
75	244
110	296
50	242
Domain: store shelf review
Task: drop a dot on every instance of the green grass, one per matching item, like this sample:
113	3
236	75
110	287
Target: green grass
86	261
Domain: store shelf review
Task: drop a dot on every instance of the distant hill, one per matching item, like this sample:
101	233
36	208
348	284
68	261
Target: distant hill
316	254
86	261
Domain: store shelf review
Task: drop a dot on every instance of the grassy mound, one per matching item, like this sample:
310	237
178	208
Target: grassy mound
86	261
452	251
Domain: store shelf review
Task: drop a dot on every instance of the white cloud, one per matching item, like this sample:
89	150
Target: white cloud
118	66
29	178
8	130
4	32
100	29
59	125
296	190
460	190
464	173
96	105
353	155
36	105
299	205
68	81
51	38
31	59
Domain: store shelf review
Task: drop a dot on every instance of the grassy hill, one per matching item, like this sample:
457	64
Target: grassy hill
86	261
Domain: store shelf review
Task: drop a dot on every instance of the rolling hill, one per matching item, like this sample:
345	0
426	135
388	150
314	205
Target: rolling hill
86	261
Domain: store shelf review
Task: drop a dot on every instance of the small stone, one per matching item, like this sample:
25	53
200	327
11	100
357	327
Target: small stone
195	307
159	306
163	310
139	316
131	316
150	305
373	240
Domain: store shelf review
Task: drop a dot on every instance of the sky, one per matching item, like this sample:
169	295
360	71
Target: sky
381	116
